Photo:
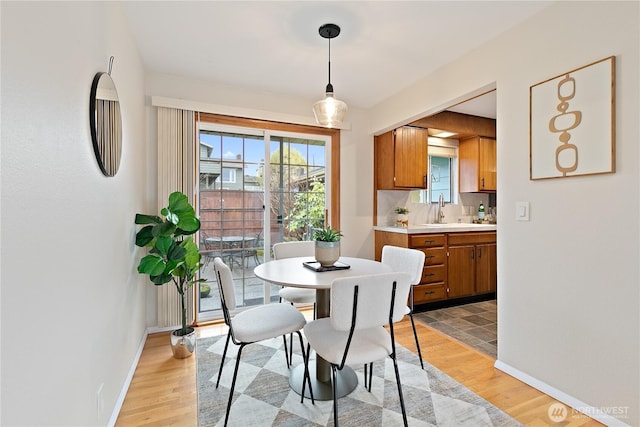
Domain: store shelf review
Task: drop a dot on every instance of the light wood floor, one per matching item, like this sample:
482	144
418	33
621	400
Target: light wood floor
163	389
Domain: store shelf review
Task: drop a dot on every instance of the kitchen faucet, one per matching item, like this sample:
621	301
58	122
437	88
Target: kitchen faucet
440	206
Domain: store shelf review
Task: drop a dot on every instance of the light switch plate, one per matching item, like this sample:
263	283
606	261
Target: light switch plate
522	211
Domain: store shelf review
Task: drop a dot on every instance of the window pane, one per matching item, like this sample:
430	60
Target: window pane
440	178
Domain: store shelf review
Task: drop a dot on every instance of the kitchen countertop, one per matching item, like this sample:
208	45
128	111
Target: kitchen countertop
437	228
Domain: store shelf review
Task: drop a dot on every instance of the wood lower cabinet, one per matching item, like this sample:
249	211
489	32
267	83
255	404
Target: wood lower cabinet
434	274
456	265
471	264
462	271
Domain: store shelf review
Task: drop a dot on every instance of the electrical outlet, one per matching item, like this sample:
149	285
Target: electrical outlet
99	401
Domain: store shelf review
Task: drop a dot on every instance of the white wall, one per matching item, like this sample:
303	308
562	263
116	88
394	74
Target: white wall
73	311
568	280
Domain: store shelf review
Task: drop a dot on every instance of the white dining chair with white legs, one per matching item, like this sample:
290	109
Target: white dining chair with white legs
361	307
255	324
293	295
410	261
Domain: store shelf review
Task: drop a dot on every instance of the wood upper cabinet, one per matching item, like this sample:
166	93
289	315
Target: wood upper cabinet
401	159
477	157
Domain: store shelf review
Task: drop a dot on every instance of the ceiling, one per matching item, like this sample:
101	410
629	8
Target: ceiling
274	46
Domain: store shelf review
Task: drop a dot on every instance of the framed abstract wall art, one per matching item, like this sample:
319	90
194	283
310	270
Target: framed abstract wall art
572	119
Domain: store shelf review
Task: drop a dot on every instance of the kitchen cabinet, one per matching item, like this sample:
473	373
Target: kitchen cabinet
471	264
401	159
456	265
477	158
432	285
434	274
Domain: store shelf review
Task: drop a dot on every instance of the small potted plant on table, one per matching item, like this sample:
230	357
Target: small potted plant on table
327	250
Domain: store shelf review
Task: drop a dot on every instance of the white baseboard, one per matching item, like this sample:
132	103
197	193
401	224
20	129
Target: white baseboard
127	382
155	329
597	414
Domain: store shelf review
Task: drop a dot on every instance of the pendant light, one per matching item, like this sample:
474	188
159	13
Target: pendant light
329	111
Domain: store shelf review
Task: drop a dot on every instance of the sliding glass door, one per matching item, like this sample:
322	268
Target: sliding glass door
256	188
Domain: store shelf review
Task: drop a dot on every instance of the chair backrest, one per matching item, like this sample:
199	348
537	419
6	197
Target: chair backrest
294	249
410	261
374	300
225	285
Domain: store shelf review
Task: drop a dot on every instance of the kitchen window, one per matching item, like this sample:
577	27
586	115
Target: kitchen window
443	163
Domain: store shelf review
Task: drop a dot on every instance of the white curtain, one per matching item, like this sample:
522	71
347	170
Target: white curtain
176	172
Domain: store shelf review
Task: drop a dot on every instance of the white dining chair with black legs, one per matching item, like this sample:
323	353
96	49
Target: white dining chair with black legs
410	261
255	324
290	294
354	334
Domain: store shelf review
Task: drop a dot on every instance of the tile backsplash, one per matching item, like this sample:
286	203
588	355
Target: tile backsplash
466	210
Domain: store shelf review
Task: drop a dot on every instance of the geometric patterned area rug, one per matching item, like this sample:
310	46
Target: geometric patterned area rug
263	397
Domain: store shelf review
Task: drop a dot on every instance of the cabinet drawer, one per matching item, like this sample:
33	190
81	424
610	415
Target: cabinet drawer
471	238
432	274
426	293
434	256
426	240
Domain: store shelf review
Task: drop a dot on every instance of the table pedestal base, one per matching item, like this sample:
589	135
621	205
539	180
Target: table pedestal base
347	382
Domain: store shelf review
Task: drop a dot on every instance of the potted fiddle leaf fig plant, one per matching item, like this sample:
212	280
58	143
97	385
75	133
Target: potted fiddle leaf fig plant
327	246
173	257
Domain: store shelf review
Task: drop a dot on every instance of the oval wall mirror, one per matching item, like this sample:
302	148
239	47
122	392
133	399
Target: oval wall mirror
106	124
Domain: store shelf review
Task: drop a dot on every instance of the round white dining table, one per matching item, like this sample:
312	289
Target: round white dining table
292	272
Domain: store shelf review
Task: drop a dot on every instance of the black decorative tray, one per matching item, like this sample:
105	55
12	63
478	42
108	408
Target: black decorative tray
316	266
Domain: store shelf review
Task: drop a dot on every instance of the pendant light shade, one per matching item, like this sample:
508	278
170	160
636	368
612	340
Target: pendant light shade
329	111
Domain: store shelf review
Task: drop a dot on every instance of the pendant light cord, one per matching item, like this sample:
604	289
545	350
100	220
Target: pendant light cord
329	61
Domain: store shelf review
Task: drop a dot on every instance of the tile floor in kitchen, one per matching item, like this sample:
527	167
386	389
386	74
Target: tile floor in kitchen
474	324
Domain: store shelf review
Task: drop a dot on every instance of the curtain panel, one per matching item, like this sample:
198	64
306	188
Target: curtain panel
176	172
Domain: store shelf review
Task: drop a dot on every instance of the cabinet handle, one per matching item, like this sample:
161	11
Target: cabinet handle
428	274
482	182
473	254
429	293
479	253
428	242
430	256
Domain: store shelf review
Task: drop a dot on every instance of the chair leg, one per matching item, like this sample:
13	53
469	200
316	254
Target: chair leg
415	335
233	384
291	349
368	376
286	351
224	355
334	380
306	376
395	367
